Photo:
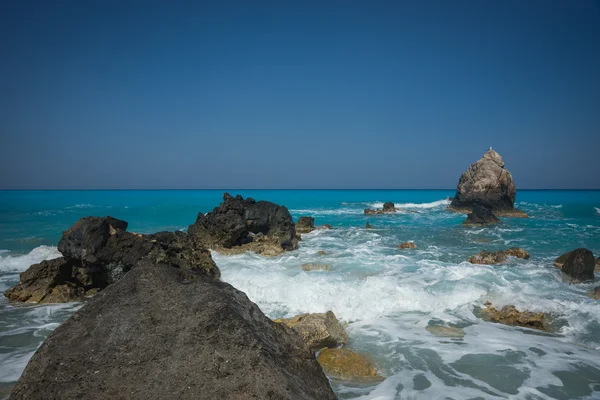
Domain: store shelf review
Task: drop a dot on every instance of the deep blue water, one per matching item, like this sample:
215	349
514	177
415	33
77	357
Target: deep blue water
388	296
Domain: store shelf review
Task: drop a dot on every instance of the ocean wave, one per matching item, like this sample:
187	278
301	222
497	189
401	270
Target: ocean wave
19	263
83	205
433	204
317	212
597	210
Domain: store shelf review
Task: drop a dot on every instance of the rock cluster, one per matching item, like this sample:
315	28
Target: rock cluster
480	216
98	251
498	257
239	225
388	207
578	264
154	334
487	183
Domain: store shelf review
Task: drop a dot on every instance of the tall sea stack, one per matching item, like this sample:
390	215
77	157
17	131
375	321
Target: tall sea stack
489	184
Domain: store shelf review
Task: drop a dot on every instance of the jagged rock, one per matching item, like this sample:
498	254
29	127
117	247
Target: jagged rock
315	267
318	330
347	365
597	267
305	225
480	215
156	335
595	293
487	183
407	245
446	331
96	254
368	226
232	224
578	264
498	257
509	315
326	226
388	207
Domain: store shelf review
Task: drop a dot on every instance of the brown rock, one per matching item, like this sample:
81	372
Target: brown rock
368	226
388	207
318	330
347	365
315	267
305	225
446	331
509	315
578	264
480	216
595	293
407	245
497	257
322	252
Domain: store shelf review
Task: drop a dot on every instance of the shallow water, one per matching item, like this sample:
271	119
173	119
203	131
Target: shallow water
387	296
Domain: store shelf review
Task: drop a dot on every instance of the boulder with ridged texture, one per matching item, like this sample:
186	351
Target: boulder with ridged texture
156	335
489	184
318	330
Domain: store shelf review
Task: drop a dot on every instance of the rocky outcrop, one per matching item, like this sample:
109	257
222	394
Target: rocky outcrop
480	216
388	207
498	257
407	245
344	364
240	225
369	226
156	335
597	267
509	315
318	330
487	183
595	293
305	225
578	264
314	267
98	252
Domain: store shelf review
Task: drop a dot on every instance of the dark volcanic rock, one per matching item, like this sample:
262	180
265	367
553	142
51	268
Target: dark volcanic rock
232	223
577	264
154	335
388	206
97	254
480	215
487	183
305	225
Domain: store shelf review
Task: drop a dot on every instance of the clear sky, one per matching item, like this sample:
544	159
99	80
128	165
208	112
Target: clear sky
297	94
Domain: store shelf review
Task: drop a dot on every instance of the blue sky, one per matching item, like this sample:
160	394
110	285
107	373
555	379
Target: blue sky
297	94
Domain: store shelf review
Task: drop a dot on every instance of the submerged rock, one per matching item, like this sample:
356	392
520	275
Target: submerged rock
233	223
480	215
497	257
487	183
98	252
509	315
597	267
326	226
315	267
318	330
368	226
407	245
347	365
446	331
595	293
578	264
154	335
322	253
305	225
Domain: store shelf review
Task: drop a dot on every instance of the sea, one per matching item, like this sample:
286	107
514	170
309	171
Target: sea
385	296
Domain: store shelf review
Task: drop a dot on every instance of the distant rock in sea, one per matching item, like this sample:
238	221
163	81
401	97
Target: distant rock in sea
388	207
489	184
156	335
498	257
233	226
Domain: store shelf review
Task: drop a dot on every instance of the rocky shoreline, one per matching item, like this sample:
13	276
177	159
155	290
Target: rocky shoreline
158	299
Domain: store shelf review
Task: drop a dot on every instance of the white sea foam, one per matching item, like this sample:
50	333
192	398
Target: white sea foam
597	210
18	263
433	204
83	205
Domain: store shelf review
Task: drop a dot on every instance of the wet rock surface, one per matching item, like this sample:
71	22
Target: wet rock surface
344	364
154	334
578	265
318	330
498	257
388	207
407	245
314	267
305	225
480	216
509	315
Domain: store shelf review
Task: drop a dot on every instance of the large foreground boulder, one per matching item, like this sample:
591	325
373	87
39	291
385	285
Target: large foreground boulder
480	216
239	225
487	183
156	335
98	252
578	264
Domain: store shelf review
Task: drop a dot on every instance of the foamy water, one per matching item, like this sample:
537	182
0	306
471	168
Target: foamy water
388	297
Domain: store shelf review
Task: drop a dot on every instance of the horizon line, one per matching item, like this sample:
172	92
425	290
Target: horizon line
265	189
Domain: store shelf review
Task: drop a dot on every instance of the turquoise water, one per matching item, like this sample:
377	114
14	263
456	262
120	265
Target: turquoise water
387	296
